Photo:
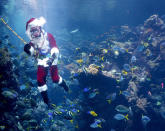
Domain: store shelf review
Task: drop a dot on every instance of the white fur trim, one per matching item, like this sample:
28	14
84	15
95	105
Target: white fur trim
42	88
54	50
60	80
31	51
38	22
43	62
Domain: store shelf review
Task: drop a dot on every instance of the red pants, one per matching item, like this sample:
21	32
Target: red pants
42	73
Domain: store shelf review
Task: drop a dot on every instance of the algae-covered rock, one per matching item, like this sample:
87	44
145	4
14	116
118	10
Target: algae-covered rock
33	123
27	115
20	104
60	123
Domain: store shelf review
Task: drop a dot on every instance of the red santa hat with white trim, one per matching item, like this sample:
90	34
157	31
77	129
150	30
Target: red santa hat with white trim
34	22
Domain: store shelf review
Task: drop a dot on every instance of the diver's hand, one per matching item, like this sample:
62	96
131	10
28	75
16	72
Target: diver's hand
27	49
51	59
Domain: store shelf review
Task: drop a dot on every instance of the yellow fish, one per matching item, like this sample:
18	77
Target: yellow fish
79	61
126	117
146	44
71	121
99	125
102	58
93	113
124	72
109	101
77	48
105	51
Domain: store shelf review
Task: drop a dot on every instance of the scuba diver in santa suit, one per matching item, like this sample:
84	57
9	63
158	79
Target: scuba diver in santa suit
43	47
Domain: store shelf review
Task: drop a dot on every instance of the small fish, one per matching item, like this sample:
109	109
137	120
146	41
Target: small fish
133	59
104	51
97	123
93	94
71	121
74	31
145	120
121	117
93	113
146	44
122	109
158	103
86	89
50	114
109	101
111	98
162	85
77	48
85	71
116	53
74	110
124	72
79	61
125	93
102	58
22	87
2	127
149	93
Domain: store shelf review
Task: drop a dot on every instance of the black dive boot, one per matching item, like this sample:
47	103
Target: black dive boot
63	84
45	97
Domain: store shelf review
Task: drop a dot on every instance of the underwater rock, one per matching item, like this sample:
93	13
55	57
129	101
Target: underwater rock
54	127
60	123
33	123
27	115
154	22
20	104
4	57
33	102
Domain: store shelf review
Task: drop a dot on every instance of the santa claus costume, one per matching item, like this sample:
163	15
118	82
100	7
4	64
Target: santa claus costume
43	47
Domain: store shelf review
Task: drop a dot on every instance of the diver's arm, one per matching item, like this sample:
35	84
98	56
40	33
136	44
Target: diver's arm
54	52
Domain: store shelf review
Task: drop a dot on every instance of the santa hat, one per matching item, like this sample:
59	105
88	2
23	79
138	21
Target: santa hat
34	22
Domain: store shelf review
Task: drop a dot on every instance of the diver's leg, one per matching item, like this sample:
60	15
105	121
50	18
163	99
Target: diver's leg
58	79
41	80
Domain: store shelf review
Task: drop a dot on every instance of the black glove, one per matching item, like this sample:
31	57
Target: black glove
27	49
51	59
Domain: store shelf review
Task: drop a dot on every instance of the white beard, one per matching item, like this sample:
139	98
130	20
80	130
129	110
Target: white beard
41	42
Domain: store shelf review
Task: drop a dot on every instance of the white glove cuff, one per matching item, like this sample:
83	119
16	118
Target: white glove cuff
54	50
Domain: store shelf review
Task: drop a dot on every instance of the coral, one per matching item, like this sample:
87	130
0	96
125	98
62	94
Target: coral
92	69
142	103
153	22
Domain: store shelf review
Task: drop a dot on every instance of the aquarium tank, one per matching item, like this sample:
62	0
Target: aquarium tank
82	65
